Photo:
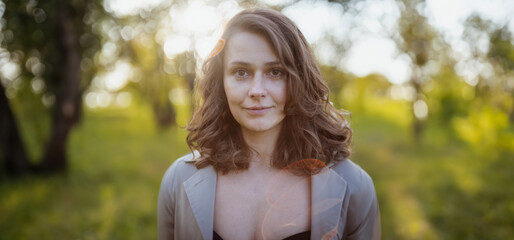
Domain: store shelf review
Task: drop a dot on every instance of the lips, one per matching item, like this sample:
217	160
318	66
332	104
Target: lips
257	110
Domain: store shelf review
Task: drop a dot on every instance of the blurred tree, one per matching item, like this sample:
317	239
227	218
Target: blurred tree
48	41
417	39
492	54
449	95
501	52
142	41
12	152
186	65
489	71
476	34
337	81
359	91
155	85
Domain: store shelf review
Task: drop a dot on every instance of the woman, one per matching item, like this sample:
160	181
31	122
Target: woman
270	151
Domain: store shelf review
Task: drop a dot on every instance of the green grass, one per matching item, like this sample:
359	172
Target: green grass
117	159
437	189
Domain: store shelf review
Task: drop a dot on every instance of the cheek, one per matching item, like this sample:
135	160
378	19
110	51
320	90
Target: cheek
226	88
230	92
280	92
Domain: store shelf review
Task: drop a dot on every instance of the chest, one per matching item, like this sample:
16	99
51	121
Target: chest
272	206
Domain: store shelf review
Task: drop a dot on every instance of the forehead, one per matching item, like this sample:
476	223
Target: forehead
249	47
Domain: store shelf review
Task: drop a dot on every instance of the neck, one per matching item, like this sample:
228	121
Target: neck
263	143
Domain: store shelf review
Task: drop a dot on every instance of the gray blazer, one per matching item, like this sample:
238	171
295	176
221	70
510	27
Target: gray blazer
344	203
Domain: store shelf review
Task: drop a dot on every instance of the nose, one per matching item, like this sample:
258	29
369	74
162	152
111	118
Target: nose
257	88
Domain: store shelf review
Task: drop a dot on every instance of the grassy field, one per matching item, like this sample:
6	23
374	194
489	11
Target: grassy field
437	189
117	159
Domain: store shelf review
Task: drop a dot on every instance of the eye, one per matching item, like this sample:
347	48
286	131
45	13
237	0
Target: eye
240	73
276	73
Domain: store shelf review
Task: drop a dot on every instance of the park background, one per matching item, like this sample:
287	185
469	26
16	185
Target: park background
95	96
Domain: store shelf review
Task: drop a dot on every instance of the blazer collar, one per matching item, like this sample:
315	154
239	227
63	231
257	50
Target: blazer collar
201	189
328	189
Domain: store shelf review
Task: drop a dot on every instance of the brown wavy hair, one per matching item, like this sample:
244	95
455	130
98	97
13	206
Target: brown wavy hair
312	127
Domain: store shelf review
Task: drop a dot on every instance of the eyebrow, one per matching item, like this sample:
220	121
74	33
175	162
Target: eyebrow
243	63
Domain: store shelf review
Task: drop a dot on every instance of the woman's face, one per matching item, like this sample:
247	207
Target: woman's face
254	82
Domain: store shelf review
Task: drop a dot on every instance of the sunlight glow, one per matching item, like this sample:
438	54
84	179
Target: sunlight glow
402	92
448	16
420	109
315	19
48	99
118	77
98	99
205	45
10	71
179	96
377	55
123	99
174	45
37	84
122	8
195	18
105	87
197	24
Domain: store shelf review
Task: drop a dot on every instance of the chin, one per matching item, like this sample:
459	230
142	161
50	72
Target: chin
260	127
256	128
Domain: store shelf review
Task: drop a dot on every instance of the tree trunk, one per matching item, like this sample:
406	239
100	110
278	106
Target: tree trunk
11	146
511	114
417	124
164	114
417	129
190	73
66	112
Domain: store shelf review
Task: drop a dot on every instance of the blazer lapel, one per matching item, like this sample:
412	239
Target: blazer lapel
328	190
201	189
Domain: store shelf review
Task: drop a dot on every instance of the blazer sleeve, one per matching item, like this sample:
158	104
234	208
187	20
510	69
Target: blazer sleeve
364	213
166	205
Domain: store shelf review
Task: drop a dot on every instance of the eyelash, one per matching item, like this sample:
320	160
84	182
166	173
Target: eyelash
269	73
280	73
240	70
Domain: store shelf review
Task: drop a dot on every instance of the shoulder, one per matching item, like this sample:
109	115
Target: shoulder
360	189
358	180
363	216
180	170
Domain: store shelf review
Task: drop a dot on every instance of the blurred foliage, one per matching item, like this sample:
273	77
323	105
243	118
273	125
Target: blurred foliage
449	96
418	40
487	130
44	44
117	158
